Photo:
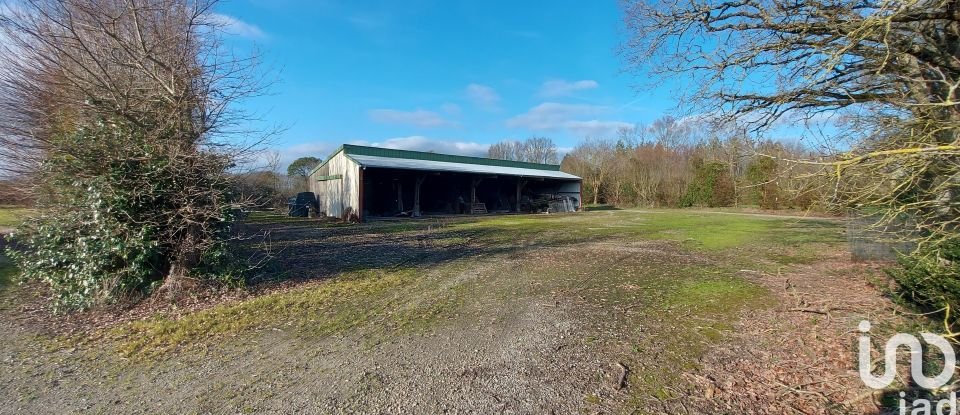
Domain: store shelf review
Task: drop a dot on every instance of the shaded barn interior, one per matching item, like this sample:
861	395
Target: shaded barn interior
357	182
397	192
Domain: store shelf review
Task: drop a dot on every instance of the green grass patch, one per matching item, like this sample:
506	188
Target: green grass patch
11	216
717	295
693	303
696	229
346	302
598	207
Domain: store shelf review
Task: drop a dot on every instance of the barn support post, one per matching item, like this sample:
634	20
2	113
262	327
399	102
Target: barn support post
416	195
360	197
473	191
521	183
400	196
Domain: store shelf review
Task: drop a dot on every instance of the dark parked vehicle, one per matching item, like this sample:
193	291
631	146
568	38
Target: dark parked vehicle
299	206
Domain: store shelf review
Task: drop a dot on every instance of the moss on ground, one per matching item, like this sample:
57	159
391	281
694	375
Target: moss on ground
696	229
654	290
692	305
11	216
716	295
351	300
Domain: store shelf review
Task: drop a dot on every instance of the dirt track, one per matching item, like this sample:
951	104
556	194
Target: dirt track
543	329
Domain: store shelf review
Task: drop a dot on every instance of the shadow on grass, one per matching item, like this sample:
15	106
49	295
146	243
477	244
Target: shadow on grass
377	272
7	269
310	252
316	250
596	208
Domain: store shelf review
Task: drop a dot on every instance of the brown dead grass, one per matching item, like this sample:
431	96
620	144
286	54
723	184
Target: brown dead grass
798	357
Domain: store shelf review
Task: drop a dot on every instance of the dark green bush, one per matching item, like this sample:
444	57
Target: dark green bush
761	177
85	254
930	278
125	213
711	186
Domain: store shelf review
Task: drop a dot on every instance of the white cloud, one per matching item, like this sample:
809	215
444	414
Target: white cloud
319	150
235	26
560	87
451	109
421	143
483	96
417	118
570	117
286	155
596	128
551	115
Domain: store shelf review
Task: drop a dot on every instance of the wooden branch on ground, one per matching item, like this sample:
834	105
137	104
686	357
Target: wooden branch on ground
622	379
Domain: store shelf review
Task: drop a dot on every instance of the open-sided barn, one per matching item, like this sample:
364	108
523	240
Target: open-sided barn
358	182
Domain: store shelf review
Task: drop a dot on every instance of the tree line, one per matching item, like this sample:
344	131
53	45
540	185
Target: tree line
671	163
676	163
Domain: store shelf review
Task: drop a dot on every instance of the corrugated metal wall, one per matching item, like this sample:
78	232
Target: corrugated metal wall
338	197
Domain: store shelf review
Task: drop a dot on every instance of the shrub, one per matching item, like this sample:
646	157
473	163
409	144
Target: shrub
85	254
930	278
711	186
122	219
761	177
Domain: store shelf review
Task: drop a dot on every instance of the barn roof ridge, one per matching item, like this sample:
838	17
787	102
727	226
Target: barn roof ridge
353	149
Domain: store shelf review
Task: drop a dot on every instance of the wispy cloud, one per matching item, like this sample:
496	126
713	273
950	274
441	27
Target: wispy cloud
483	96
596	128
451	109
552	115
422	143
578	119
417	118
319	149
235	26
560	87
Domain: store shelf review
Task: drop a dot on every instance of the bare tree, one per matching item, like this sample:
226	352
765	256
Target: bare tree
540	150
891	68
506	150
134	98
593	160
670	132
534	150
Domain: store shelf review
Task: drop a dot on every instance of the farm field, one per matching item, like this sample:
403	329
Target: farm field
10	216
615	311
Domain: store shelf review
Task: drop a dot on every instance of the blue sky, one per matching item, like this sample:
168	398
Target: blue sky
440	75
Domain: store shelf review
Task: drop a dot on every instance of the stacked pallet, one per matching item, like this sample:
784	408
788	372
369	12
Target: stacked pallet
478	209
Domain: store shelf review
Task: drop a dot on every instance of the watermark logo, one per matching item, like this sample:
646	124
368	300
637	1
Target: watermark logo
916	359
920	406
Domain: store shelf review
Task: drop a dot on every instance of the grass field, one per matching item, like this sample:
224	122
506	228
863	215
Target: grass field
444	314
10	216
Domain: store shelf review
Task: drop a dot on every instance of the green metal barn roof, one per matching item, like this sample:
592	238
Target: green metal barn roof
355	150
